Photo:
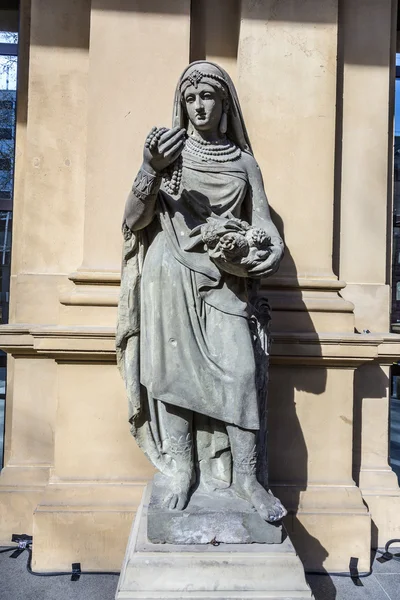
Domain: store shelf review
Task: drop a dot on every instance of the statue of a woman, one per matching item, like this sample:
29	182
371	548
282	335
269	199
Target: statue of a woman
191	331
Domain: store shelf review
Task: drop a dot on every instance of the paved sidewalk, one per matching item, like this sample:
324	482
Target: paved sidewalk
383	584
17	584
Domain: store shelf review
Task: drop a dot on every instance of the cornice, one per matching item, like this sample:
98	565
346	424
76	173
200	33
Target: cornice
70	343
59	342
95	277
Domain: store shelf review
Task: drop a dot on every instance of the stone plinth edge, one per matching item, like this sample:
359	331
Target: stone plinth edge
228	571
221	516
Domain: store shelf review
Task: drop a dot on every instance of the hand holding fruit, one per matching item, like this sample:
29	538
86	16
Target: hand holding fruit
162	147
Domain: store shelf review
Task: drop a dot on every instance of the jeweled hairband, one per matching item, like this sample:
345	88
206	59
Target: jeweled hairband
196	76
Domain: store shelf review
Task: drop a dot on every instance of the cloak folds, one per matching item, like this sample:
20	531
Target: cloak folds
227	302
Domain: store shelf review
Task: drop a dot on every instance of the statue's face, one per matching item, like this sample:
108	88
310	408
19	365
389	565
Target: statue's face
204	106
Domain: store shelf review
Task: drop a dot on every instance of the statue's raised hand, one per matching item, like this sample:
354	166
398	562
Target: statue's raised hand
162	147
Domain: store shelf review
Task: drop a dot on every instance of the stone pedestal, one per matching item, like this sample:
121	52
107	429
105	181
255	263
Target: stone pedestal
205	571
219	517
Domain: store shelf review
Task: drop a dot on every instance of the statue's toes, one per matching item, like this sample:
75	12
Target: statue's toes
277	512
175	501
264	511
171	501
181	502
283	511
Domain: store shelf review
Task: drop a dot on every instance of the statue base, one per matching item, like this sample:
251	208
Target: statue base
217	517
207	572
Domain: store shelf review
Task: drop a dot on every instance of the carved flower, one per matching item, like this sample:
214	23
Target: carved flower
211	232
233	245
258	237
210	238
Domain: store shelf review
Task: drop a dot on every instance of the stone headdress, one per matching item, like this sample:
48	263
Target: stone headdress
208	72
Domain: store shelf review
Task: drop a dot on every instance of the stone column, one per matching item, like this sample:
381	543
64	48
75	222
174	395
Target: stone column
366	67
377	481
137	53
287	86
47	234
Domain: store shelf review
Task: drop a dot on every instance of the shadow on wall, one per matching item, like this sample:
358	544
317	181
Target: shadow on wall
315	12
309	11
370	381
287	448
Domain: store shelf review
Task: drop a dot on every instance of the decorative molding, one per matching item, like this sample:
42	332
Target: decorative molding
341	350
94	277
303	283
100	277
101	288
85	295
92	288
293	348
59	342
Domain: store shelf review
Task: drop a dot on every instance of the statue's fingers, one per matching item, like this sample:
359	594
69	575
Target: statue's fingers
267	267
152	132
152	144
174	156
160	132
168	134
264	272
164	146
260	268
178	147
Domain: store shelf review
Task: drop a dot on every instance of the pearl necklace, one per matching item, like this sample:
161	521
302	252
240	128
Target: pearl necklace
209	151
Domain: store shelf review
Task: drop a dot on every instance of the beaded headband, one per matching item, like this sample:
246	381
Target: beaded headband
195	77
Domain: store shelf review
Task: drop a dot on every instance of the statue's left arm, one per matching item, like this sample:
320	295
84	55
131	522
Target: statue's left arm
260	217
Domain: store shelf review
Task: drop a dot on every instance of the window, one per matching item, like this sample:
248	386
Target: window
8	84
6	133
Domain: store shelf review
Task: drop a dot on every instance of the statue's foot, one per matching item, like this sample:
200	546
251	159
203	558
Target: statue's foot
268	507
178	490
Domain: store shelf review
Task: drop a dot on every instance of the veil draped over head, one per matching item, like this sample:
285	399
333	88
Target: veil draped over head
211	73
142	407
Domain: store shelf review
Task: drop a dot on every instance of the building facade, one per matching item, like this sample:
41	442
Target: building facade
316	84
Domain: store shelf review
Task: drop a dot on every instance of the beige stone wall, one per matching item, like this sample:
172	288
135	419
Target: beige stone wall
364	186
365	207
95	75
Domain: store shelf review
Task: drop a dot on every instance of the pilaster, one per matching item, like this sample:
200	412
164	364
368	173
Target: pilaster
366	59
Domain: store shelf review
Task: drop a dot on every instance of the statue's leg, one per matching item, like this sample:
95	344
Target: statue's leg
243	445
176	424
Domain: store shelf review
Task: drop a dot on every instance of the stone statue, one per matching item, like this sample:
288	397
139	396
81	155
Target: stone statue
192	334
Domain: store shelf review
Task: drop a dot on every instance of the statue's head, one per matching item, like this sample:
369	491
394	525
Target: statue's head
204	96
206	99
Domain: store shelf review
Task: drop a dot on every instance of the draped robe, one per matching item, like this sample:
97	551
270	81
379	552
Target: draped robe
189	334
